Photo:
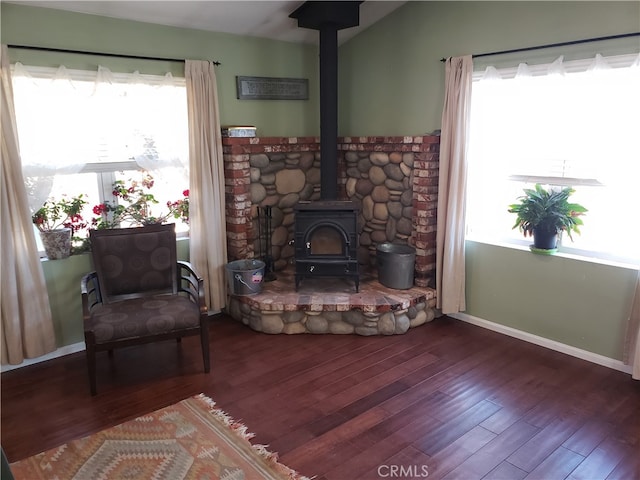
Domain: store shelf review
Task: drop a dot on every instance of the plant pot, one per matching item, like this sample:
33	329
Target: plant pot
57	243
544	239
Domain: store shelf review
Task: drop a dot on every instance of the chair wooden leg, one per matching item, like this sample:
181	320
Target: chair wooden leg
204	341
91	364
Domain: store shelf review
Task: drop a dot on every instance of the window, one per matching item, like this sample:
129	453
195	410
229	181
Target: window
80	131
567	123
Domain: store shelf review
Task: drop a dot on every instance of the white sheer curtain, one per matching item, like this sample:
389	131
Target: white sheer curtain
208	239
46	150
450	251
68	118
632	345
27	327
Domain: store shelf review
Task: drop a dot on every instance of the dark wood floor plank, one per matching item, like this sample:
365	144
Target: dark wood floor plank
505	471
557	465
408	464
337	440
448	432
335	365
601	461
449	395
370	386
502	420
495	452
436	376
546	441
588	436
458	451
404	424
576	387
525	390
378	449
359	466
629	466
372	378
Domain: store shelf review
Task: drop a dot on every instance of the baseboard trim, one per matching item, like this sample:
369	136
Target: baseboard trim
480	322
60	352
545	342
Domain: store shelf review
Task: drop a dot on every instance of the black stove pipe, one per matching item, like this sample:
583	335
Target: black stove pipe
328	17
329	112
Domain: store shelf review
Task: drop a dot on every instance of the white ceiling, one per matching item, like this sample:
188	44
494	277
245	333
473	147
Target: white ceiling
266	19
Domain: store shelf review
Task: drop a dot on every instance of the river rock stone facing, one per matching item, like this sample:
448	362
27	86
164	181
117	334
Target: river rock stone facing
339	323
274	313
394	180
380	181
295	177
375	180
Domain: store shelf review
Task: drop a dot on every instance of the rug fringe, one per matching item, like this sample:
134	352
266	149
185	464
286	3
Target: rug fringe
241	430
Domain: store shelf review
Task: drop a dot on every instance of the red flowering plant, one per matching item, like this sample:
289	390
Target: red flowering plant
136	206
63	213
180	208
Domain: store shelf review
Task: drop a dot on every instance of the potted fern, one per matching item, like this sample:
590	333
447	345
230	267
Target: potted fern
545	213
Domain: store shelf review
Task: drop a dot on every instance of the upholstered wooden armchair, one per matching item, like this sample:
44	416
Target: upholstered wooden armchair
140	293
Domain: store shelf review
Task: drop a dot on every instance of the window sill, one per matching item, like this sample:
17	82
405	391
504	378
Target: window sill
181	238
580	258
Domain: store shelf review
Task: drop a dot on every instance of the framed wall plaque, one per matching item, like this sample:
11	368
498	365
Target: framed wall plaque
272	88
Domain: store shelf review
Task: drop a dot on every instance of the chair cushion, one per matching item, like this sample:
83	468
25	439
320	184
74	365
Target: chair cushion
140	317
134	260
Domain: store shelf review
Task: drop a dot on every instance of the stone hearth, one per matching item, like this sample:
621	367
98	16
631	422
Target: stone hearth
330	305
394	180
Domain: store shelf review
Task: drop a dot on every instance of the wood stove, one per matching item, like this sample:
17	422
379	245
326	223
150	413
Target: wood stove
326	240
326	232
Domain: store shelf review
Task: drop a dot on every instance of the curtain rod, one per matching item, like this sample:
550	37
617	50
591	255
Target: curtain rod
551	45
102	54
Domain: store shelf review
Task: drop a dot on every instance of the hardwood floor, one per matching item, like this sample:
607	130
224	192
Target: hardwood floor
447	400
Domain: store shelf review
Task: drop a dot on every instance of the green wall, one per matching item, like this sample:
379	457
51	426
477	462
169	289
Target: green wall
239	55
392	83
391	79
63	285
579	303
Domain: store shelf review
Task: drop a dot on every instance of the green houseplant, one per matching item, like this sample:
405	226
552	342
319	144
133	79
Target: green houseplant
544	213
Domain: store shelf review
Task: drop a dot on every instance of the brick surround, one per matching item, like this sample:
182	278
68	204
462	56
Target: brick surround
241	210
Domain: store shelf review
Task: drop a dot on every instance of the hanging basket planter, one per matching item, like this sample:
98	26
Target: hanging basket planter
57	243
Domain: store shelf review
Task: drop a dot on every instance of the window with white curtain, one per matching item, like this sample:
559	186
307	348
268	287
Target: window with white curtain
80	131
562	124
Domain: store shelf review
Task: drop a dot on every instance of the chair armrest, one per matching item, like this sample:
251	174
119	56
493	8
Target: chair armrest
90	290
192	284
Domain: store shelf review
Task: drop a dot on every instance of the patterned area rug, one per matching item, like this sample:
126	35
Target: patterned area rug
189	440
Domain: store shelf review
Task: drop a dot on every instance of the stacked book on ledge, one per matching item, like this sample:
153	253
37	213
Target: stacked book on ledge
238	131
